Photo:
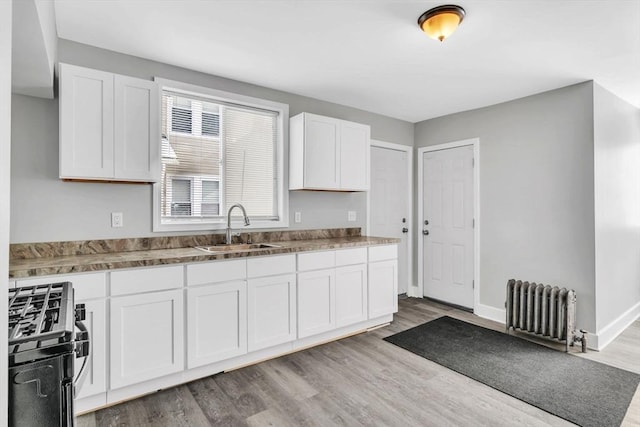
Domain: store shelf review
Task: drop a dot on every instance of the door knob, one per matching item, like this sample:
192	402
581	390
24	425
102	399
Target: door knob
405	230
425	232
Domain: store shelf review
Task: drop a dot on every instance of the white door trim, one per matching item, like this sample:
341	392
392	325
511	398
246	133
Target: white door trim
412	288
475	142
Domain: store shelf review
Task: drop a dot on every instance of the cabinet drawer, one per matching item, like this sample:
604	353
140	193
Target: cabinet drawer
216	272
146	280
351	256
316	260
271	265
85	286
381	253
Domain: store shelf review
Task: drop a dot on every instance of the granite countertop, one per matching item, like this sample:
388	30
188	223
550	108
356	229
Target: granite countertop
54	258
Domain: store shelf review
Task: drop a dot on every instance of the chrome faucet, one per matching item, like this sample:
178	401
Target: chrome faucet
244	214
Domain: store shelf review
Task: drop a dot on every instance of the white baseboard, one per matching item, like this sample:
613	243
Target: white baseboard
414	292
491	313
607	334
596	341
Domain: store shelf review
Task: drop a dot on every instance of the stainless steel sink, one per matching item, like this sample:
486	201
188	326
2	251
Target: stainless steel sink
236	247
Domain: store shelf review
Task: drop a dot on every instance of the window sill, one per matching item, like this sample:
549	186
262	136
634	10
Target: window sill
236	224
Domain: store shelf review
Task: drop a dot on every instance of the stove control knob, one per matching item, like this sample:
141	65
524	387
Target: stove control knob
81	312
82	344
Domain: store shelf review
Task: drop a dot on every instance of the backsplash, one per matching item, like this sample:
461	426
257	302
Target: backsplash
91	247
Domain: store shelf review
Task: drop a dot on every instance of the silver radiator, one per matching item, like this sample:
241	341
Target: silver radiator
542	310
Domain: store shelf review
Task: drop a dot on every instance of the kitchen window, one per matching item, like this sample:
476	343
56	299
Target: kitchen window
219	149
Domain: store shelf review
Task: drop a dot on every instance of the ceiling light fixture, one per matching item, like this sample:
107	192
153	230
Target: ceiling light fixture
440	22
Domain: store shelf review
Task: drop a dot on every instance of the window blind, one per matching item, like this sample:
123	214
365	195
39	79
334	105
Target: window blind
215	154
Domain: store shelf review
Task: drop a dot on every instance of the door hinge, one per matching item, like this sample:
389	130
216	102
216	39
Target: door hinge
473	223
473	284
473	161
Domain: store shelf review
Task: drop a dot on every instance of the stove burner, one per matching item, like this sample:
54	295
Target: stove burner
40	316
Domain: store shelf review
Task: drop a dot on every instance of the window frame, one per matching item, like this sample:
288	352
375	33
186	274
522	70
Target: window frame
191	202
195	186
195	115
201	202
282	173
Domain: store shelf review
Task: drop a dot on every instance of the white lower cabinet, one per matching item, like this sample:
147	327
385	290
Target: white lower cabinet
383	288
216	322
225	309
271	311
351	294
316	302
146	336
94	373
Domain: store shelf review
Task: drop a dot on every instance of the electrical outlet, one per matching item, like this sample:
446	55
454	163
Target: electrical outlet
351	215
117	220
298	217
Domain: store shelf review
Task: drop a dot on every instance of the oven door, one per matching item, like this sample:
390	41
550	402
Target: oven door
41	394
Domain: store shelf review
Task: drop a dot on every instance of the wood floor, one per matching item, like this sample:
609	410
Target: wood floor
361	380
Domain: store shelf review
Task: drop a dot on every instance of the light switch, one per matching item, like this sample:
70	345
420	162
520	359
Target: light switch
298	217
351	215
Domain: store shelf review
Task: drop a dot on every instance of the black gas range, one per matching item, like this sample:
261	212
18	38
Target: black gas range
43	344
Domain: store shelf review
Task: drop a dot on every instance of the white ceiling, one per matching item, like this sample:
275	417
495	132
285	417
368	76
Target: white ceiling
371	54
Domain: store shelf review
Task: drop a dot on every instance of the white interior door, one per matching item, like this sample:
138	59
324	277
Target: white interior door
389	203
447	223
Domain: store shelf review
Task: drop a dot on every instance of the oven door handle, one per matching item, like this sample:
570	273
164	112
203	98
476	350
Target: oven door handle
82	349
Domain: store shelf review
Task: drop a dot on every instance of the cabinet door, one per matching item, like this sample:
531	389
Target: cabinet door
95	370
351	294
137	139
146	337
383	288
316	302
272	311
216	322
86	123
354	156
321	142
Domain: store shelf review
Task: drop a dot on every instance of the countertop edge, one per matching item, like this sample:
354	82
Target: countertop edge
21	269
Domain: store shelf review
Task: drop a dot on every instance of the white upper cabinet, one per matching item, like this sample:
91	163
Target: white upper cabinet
109	126
86	123
328	154
137	124
354	156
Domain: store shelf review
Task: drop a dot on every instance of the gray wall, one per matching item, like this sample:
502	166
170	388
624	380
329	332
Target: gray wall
617	206
536	191
47	209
